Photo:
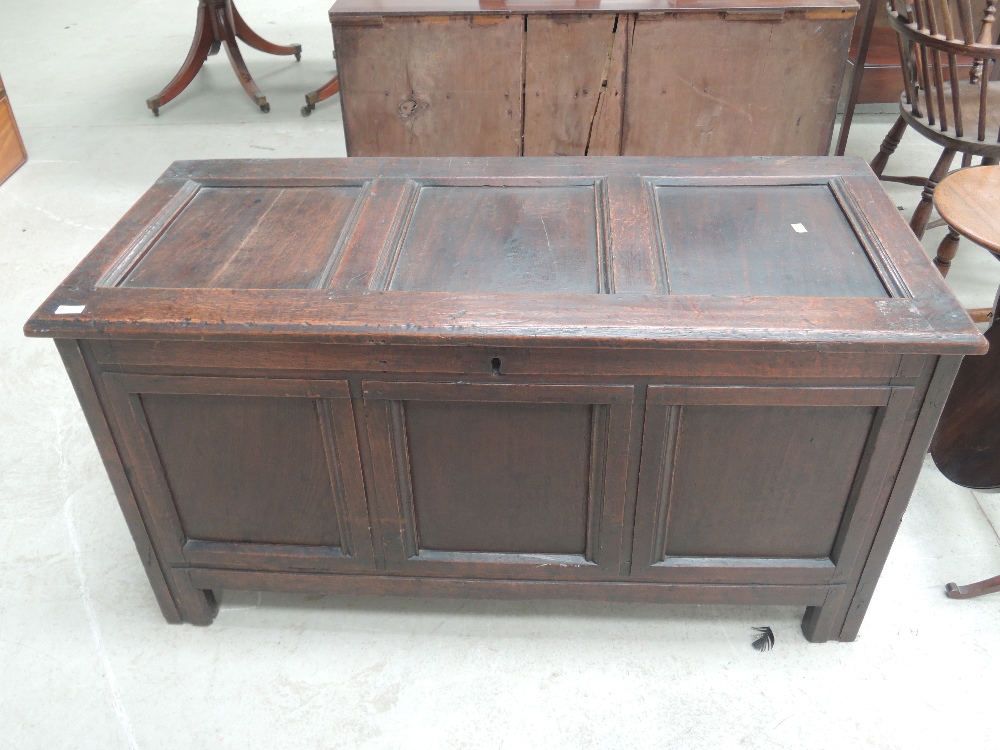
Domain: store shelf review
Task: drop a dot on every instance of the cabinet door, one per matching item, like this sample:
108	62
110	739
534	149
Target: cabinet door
500	480
246	472
765	485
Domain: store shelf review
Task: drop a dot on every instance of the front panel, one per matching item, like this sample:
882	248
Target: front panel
485	480
761	484
245	471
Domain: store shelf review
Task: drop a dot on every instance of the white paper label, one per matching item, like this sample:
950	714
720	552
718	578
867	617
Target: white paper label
799	228
70	309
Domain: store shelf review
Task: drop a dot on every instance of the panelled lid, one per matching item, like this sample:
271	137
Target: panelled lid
345	9
643	252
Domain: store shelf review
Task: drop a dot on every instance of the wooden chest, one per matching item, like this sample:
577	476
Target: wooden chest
608	77
620	379
12	153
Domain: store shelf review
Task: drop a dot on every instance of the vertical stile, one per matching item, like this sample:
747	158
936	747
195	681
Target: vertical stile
932	25
956	101
983	84
925	77
965	21
910	87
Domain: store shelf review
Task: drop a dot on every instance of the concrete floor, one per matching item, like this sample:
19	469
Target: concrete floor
86	661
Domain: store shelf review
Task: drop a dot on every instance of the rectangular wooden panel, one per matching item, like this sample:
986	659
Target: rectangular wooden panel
762	241
432	86
257	467
12	152
500	477
781	493
478	477
768	85
249	238
245	469
502	239
802	472
568	63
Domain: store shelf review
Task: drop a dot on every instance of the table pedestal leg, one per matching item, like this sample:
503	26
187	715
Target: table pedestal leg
989	586
324	92
220	23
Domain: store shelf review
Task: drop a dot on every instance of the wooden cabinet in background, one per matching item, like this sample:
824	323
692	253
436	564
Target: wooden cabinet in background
12	153
688	78
603	378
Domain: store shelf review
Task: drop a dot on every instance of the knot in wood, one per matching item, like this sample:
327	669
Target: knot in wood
407	107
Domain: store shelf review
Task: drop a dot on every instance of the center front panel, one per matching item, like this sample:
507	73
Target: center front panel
487	480
509	478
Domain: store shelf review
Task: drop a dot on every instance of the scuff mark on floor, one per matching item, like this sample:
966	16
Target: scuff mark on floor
55	217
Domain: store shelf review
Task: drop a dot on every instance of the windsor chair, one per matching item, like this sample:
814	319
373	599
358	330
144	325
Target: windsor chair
960	114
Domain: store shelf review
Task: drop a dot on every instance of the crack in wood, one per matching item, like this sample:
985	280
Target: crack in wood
608	61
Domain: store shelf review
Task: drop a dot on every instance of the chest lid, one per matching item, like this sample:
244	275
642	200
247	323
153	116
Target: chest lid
643	252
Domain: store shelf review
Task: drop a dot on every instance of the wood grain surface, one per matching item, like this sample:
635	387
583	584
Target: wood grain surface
596	78
432	86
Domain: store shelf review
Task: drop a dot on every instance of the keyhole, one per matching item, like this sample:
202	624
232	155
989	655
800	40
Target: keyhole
495	365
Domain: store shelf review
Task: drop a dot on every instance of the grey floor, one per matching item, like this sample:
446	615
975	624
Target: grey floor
86	660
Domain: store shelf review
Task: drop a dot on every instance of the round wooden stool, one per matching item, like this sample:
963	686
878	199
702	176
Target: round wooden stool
969	202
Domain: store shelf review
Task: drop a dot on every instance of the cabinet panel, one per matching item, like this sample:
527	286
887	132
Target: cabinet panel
771	97
266	471
432	85
497	480
756	483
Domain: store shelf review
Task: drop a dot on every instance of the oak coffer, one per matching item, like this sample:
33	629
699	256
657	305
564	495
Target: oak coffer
619	379
590	77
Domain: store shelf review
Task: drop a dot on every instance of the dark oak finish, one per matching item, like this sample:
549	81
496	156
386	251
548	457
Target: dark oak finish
220	24
959	113
12	152
689	78
514	377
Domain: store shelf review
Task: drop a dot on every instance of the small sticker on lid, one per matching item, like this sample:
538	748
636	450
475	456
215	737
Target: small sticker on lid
70	309
800	228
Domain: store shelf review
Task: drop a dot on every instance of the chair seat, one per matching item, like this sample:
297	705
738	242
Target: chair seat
969	142
969	201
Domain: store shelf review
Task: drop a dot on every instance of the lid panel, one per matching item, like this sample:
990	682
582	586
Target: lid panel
773	240
249	238
501	239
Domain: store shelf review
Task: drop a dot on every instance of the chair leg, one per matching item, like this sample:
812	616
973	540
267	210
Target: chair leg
889	145
923	213
946	251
